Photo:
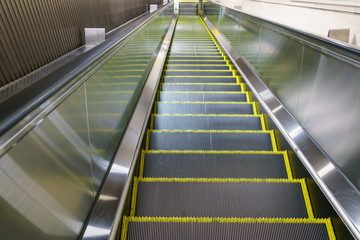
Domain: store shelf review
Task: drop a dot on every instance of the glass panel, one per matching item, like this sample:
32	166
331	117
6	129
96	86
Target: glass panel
320	88
50	178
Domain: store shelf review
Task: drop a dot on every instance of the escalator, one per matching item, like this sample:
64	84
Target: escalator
211	168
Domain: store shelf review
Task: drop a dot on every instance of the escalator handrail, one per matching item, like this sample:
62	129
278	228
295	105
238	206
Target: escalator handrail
23	111
341	193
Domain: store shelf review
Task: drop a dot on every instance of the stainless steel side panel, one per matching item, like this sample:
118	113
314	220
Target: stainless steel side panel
312	94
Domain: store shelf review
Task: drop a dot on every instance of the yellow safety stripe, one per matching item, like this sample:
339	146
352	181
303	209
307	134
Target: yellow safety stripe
208	115
202	92
196	70
306	198
287	165
176	76
193	102
221	180
326	221
211	131
133	197
273	140
262	119
230	220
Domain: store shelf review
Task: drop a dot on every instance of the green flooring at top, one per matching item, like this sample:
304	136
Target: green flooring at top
190	26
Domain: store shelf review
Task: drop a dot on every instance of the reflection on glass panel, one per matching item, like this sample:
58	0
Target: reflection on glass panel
46	178
239	31
319	88
113	90
50	178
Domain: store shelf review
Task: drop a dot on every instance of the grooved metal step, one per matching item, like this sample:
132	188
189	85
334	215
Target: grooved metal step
191	54
187	198
202	73
206	123
196	62
197	67
168	96
204	108
216	229
200	79
210	140
194	58
216	165
201	87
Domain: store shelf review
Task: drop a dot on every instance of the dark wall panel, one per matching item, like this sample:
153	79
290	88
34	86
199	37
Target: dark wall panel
36	32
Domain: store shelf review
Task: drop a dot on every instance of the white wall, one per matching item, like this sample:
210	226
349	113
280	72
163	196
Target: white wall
316	18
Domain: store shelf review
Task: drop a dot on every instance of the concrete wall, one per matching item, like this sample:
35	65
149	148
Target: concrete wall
309	16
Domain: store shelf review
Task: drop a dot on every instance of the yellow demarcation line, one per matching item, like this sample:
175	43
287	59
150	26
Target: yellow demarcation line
326	221
196	65
193	102
208	115
143	152
202	92
307	198
210	131
287	165
189	76
196	70
262	119
134	196
273	140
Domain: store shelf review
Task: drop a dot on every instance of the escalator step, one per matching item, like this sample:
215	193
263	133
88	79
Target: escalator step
202	96
196	62
197	54
215	229
210	140
166	197
195	58
201	79
197	67
202	73
206	123
215	165
201	87
204	108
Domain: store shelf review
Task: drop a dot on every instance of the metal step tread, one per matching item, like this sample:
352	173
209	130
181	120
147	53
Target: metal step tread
183	164
156	228
206	197
205	108
203	87
201	79
169	96
211	140
203	122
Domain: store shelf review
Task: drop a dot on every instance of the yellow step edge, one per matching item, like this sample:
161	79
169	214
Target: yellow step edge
287	165
189	102
213	152
203	60
181	76
192	65
228	84
209	131
202	92
197	70
208	115
326	221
